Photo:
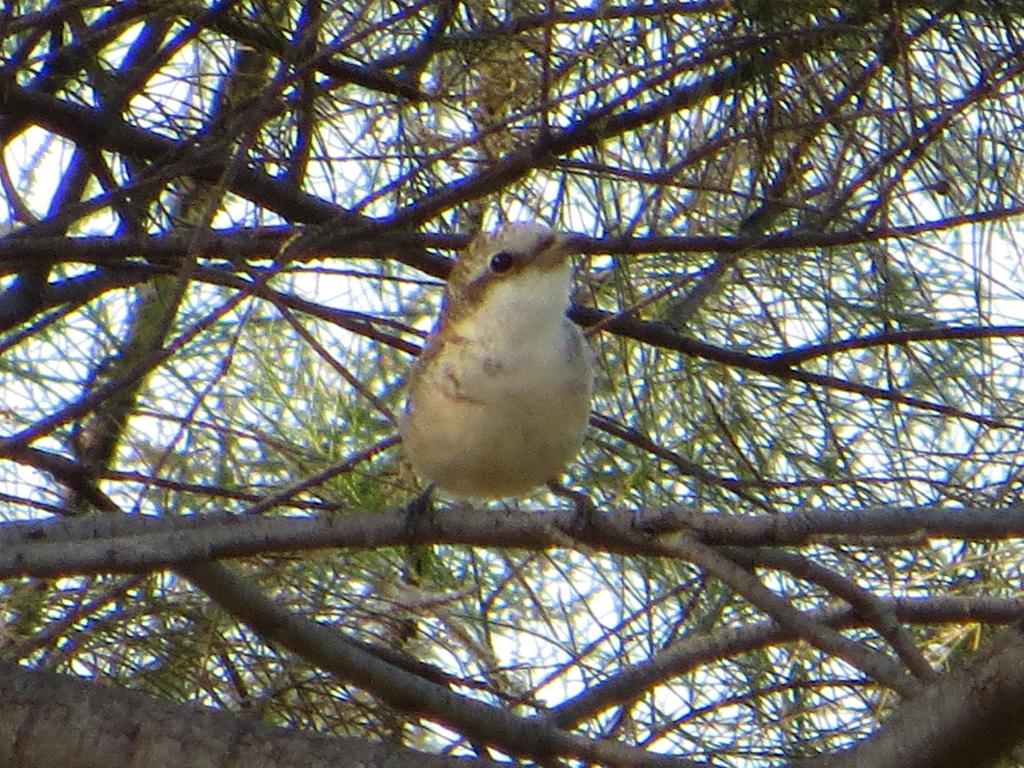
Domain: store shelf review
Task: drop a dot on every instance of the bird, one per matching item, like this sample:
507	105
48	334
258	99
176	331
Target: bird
499	399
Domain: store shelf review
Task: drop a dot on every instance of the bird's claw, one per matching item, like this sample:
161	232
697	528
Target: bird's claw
420	510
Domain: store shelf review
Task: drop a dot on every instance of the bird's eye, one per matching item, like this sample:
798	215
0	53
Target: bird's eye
502	261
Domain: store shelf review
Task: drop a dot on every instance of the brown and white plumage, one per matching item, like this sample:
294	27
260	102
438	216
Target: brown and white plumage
499	400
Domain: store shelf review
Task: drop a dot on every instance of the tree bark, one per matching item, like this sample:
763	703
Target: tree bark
57	721
969	718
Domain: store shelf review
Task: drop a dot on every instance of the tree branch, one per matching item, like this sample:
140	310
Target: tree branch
48	720
118	544
478	721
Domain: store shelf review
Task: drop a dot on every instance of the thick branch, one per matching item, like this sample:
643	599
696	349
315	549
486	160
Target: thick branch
969	719
49	720
131	545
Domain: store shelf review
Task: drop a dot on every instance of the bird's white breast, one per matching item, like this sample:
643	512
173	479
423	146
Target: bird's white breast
503	405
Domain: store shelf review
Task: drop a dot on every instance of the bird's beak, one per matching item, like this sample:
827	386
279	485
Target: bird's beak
554	251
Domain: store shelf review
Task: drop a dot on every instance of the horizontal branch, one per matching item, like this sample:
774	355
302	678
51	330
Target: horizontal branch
901	525
261	243
112	544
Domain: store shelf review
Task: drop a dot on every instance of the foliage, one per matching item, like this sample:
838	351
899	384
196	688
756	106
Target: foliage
798	263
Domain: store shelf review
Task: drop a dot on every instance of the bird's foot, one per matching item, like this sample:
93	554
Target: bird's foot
587	514
420	510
